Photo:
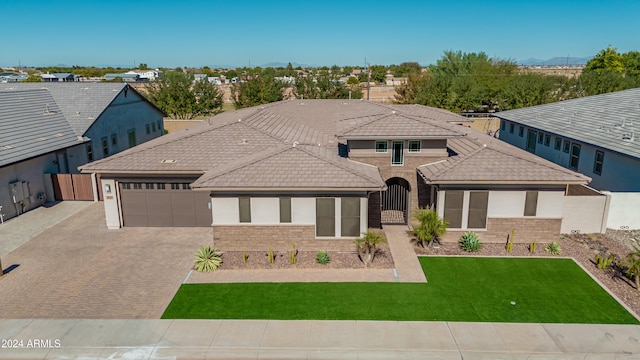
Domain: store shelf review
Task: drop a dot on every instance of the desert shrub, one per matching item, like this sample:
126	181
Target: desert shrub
293	254
553	248
604	263
470	241
271	257
509	246
207	259
532	247
323	257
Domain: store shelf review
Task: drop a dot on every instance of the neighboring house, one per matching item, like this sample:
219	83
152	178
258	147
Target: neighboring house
320	172
58	77
598	136
54	128
124	77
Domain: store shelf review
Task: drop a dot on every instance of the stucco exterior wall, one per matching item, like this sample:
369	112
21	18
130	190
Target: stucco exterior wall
111	204
31	171
585	214
624	210
266	211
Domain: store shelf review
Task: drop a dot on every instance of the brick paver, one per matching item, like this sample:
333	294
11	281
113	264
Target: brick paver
79	269
404	257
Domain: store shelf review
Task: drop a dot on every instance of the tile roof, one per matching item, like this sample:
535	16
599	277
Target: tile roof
254	148
293	167
31	124
601	120
394	125
80	102
480	158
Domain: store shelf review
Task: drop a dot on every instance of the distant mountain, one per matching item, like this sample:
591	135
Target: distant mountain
556	61
282	65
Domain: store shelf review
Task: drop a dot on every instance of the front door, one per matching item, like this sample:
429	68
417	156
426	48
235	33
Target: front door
397	153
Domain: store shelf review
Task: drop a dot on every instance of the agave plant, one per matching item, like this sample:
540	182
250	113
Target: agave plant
323	257
470	241
207	259
553	248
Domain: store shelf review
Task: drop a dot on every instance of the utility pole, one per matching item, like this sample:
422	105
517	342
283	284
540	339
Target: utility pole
368	82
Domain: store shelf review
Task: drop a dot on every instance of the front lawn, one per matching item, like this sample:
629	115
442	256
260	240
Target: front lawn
459	289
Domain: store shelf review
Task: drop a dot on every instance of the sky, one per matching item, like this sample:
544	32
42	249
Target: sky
196	33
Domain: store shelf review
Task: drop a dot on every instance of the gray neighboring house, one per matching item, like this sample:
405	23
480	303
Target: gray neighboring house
598	136
320	172
54	128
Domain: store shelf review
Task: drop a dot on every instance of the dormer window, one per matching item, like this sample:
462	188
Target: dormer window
381	146
414	146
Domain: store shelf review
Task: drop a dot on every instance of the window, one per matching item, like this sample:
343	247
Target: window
159	124
453	208
540	137
153	127
503	125
381	146
245	209
521	131
566	146
397	157
105	146
161	186
148	127
597	164
478	201
574	157
414	146
531	203
126	186
89	151
325	217
531	141
511	127
547	139
132	137
148	186
350	217
186	186
137	186
114	139
558	143
285	210
175	186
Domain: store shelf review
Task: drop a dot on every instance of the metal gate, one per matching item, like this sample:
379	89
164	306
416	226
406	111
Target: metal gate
395	201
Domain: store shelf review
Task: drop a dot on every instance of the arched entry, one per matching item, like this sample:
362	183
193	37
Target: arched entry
395	201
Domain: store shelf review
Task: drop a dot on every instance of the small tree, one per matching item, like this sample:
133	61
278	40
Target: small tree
431	226
632	262
368	246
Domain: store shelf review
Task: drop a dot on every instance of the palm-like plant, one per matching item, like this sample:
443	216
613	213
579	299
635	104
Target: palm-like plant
368	246
431	226
632	261
207	259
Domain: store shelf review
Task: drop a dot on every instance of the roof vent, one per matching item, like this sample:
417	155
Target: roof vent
43	138
58	134
77	113
6	147
393	111
295	143
302	104
239	120
167	161
628	137
243	142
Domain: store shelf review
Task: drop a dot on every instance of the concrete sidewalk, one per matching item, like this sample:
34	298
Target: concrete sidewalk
269	339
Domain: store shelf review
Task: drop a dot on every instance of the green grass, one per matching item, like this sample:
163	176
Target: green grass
459	289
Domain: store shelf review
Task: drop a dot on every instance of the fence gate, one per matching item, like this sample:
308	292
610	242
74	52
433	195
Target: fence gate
72	186
395	201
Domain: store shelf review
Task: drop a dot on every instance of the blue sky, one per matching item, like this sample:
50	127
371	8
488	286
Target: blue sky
165	33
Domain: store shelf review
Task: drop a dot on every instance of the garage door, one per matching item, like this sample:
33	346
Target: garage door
163	204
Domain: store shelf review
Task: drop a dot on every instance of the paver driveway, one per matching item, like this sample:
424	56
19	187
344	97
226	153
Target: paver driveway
79	269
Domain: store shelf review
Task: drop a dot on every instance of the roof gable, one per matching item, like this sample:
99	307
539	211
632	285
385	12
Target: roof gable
394	125
31	124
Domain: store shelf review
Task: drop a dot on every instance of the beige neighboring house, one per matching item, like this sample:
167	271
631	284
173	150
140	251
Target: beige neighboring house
320	172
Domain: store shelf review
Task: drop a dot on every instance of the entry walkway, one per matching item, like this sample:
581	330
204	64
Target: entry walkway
404	257
275	339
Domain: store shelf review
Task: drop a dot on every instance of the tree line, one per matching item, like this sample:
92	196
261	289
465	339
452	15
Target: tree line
473	82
